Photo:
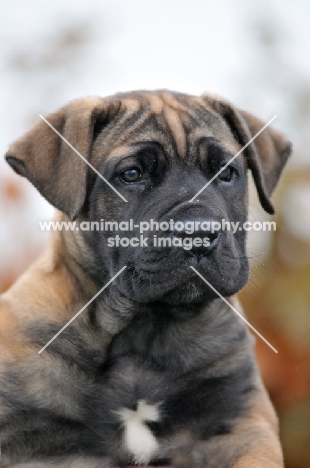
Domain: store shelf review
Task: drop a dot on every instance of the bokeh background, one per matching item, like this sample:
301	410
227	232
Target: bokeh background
254	53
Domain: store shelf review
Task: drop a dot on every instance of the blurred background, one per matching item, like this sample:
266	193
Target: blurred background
254	53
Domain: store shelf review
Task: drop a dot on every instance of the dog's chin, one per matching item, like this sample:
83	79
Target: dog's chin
188	294
190	290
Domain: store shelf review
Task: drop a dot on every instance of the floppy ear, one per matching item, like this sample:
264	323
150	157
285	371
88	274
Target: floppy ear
49	163
265	156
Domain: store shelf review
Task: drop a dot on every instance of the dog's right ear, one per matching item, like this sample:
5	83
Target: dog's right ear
49	163
266	156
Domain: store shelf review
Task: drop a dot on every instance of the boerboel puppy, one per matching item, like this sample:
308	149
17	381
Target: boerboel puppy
157	369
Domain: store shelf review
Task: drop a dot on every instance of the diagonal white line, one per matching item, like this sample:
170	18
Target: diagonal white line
84	159
235	310
83	308
232	159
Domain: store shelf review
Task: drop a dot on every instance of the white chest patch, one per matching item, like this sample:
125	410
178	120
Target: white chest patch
138	438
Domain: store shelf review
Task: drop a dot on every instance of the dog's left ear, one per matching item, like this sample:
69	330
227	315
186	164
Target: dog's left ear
49	163
266	155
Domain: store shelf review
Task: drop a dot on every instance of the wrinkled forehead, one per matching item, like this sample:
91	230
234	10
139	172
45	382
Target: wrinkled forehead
175	121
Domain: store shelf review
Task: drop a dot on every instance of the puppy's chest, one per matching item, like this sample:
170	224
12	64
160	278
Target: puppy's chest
151	387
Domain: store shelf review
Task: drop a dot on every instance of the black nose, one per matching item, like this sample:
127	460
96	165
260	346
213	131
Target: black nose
202	241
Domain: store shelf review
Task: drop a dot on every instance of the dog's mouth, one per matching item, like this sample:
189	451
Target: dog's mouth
166	275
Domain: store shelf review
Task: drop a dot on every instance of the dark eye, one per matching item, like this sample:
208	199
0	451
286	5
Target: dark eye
226	174
130	175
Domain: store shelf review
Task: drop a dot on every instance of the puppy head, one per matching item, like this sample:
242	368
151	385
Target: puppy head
157	149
